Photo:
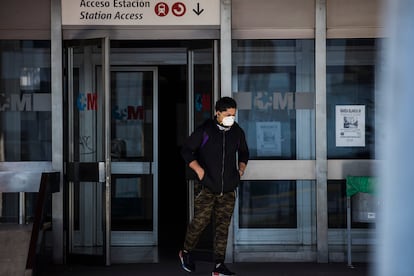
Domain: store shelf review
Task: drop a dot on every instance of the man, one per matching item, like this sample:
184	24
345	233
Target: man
218	154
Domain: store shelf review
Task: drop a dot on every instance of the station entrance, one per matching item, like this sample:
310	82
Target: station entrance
128	107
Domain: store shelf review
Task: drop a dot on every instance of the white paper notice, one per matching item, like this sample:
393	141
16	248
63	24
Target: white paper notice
268	137
350	125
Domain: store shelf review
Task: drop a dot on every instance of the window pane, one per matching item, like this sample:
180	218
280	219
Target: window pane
350	83
25	103
267	204
274	89
131	207
132	103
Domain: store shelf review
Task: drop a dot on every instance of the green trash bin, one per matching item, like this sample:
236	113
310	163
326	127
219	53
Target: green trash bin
364	202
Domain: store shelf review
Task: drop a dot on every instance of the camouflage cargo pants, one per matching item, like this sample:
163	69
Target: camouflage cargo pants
205	204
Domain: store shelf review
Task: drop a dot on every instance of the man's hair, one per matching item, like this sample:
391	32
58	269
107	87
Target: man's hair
225	103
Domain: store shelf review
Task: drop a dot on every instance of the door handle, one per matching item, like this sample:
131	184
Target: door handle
86	171
101	171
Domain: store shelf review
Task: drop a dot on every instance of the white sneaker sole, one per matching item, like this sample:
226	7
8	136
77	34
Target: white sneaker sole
182	263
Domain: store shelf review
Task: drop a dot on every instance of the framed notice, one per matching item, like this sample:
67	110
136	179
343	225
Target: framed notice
350	125
268	137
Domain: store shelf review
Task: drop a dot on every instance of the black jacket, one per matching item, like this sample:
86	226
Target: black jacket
218	152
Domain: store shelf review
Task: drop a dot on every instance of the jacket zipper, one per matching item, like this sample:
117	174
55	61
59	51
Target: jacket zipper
222	163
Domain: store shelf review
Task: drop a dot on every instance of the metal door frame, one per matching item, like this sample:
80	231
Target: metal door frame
190	106
101	171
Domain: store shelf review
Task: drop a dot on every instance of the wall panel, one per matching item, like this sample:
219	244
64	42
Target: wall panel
354	18
25	19
273	19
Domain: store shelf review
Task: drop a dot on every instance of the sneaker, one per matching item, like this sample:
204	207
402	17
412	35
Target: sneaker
186	261
221	270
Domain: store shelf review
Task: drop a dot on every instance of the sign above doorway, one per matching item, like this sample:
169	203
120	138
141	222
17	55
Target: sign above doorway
140	12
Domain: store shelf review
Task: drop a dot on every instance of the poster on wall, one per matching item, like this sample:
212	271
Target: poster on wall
350	125
268	137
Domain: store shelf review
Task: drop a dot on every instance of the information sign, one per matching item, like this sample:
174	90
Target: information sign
140	12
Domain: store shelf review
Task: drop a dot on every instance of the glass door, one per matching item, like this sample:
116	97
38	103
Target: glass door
87	152
134	154
112	156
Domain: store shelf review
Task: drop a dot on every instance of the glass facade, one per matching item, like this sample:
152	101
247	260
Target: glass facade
25	114
273	82
351	79
350	84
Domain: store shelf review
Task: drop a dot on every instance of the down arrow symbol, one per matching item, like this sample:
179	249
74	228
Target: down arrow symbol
198	11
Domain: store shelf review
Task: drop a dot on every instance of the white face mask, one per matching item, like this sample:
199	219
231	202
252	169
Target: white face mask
228	121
